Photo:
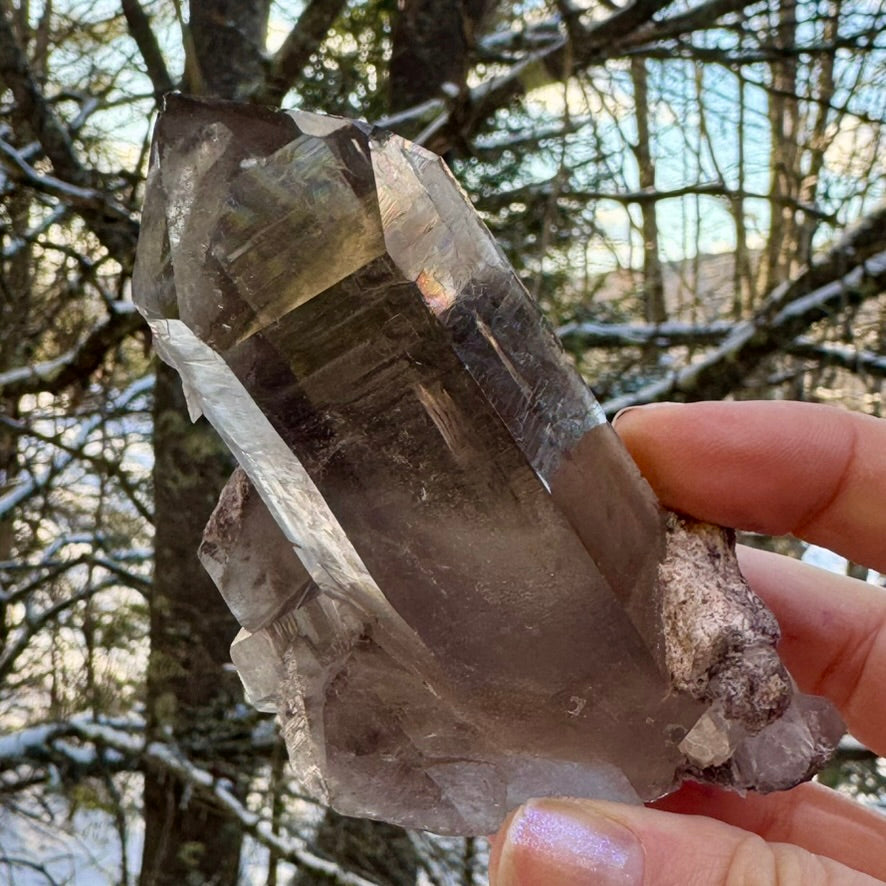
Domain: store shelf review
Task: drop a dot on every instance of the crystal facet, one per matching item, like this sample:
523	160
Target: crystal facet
455	588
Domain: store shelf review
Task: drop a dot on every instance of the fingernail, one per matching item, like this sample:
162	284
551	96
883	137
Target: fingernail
561	841
643	406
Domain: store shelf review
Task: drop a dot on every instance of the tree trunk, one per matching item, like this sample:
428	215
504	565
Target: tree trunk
16	345
380	852
744	295
818	138
784	123
191	691
430	51
653	283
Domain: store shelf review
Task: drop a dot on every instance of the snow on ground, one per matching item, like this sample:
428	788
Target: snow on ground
83	850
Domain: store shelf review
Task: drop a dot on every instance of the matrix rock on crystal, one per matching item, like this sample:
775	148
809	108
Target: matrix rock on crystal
455	588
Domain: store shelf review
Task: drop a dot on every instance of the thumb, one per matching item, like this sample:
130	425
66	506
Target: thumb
561	842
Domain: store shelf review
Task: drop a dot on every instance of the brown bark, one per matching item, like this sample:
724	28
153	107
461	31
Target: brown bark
140	28
302	41
784	121
190	689
430	48
432	40
190	692
818	135
225	43
654	307
382	853
17	344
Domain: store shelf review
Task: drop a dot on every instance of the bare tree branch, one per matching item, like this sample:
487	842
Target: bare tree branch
16	244
591	40
828	354
90	199
31	108
576	336
34	622
77	364
543	190
685	50
851	272
300	44
105	467
25	490
705	15
113	226
123	745
599	42
140	30
586	335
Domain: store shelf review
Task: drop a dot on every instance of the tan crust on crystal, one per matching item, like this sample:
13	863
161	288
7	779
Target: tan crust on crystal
719	636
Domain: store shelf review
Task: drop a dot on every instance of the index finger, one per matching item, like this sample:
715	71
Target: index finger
805	469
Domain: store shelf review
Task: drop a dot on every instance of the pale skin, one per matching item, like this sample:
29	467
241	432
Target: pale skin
816	472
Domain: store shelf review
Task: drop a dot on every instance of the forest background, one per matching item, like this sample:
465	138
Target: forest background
693	190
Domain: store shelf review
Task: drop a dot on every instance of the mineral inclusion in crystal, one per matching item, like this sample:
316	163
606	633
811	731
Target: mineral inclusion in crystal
456	590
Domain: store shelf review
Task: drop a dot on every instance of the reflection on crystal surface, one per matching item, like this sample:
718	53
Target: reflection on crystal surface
445	564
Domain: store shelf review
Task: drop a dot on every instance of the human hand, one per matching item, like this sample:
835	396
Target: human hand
774	467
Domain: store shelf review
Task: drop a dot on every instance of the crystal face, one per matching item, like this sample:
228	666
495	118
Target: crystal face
455	588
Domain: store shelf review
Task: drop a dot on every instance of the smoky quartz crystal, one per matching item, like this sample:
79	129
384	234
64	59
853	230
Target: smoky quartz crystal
455	588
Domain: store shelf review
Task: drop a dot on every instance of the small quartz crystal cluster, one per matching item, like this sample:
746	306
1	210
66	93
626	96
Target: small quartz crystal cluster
456	590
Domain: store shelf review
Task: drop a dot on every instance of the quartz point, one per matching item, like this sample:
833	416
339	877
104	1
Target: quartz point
455	588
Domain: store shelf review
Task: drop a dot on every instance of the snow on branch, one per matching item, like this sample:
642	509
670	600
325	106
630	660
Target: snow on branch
705	15
76	364
544	51
73	183
88	746
80	745
828	354
37	482
586	335
286	847
620	335
853	270
74	195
